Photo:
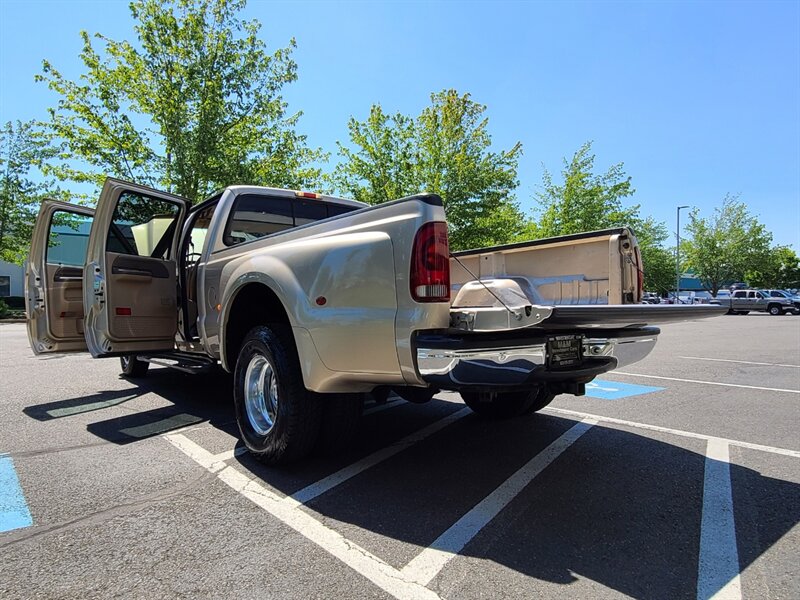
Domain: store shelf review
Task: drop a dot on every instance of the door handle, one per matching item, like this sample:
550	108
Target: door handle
128	271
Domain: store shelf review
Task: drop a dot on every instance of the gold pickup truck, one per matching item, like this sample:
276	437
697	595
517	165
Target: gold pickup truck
312	300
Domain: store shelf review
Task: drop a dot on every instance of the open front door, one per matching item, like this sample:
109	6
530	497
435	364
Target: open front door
54	278
130	296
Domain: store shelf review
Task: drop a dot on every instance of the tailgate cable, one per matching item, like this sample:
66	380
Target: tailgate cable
513	313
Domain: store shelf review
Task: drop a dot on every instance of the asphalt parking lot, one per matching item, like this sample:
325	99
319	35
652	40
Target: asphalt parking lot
676	478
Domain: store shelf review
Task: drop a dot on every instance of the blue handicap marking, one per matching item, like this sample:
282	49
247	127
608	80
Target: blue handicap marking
614	390
14	512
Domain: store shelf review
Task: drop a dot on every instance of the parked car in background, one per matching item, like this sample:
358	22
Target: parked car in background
651	298
700	297
742	302
784	294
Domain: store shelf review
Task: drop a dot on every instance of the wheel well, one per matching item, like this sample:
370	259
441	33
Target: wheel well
254	304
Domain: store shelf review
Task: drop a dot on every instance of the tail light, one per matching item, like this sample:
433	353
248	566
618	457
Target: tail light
430	264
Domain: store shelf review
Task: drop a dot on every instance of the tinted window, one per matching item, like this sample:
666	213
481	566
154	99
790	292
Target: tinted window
253	216
69	238
309	211
5	286
142	226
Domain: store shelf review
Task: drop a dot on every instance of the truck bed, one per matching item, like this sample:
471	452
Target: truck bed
586	280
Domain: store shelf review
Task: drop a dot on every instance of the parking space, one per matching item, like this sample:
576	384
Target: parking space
684	484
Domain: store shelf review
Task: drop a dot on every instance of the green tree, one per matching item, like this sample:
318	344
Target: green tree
780	269
194	105
384	166
22	150
584	201
658	261
445	150
726	246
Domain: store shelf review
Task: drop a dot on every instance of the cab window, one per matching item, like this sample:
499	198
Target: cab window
254	216
69	238
142	226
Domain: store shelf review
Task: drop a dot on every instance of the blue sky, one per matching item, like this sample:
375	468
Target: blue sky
697	99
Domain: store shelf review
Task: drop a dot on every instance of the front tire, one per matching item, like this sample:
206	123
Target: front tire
132	367
775	310
278	418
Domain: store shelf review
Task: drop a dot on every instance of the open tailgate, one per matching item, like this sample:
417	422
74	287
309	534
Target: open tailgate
627	315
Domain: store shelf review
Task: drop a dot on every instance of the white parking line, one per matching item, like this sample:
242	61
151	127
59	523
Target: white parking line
734	385
426	565
408	583
689	434
331	481
718	566
357	558
744	362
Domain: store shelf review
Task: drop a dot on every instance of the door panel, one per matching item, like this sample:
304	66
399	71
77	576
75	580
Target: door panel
65	306
131	305
54	278
149	285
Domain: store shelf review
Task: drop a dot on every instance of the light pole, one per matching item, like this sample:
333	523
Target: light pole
678	257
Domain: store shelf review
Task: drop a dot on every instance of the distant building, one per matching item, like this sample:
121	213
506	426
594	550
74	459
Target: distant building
70	249
10	280
690	282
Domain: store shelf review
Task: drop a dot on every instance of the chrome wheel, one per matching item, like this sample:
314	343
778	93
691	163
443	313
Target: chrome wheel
126	362
261	394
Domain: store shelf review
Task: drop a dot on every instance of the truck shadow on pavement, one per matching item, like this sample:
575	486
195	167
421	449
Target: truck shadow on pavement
617	508
193	399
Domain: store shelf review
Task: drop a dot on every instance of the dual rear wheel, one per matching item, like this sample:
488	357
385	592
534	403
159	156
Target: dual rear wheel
279	419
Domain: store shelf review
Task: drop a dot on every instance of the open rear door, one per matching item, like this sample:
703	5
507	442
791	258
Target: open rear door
130	296
54	278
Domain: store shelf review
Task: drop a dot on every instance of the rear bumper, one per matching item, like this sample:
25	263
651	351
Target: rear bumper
458	361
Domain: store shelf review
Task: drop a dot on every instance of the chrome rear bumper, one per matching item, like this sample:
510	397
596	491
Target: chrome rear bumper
461	361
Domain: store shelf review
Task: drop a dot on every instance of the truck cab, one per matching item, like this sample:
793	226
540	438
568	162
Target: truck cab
125	279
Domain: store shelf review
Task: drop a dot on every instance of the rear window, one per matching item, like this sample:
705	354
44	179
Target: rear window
254	216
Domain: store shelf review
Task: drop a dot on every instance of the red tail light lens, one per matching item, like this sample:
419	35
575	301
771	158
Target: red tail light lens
430	264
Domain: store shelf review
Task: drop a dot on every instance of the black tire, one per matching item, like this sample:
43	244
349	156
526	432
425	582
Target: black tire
499	405
744	312
541	398
341	414
730	312
775	310
132	367
292	429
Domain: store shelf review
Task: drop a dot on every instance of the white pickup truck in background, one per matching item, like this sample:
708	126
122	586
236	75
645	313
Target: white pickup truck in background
311	300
